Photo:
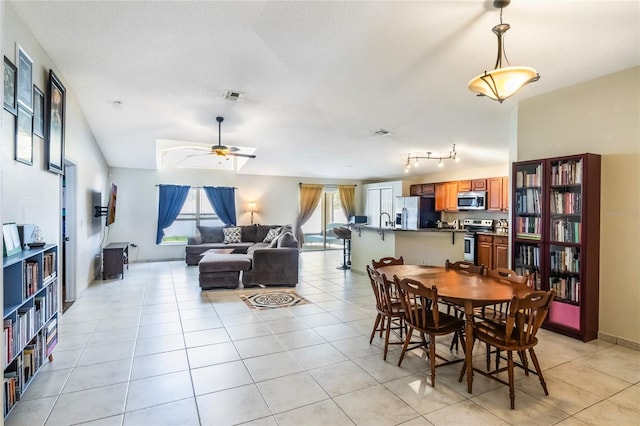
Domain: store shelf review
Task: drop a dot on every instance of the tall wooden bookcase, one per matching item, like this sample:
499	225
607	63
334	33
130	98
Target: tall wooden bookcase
30	317
556	237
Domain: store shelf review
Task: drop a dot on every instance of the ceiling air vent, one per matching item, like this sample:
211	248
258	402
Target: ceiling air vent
381	132
233	96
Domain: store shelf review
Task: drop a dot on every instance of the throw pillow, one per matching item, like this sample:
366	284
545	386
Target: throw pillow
274	242
211	234
272	234
232	235
287	239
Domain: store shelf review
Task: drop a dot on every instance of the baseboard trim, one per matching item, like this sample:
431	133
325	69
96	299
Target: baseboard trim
619	341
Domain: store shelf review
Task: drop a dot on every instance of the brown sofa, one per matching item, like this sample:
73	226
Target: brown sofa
272	263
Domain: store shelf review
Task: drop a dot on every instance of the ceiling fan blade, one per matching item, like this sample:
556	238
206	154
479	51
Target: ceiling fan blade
235	154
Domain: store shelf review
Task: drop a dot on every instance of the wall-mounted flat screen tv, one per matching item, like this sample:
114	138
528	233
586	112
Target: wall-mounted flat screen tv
111	207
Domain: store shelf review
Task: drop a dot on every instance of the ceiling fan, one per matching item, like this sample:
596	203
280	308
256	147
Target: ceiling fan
223	150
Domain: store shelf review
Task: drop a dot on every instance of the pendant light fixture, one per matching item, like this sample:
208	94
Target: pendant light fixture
504	80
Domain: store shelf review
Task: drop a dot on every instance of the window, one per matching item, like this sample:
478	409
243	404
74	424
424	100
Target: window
196	211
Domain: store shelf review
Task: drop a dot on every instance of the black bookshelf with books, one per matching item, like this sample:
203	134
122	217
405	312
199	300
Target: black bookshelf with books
30	317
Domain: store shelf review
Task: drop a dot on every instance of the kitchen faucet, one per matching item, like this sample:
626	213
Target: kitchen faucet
389	221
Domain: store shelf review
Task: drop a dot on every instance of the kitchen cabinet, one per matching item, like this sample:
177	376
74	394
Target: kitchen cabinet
464	185
472	185
500	252
423	189
479	185
505	193
484	250
496	199
451	204
440	197
492	251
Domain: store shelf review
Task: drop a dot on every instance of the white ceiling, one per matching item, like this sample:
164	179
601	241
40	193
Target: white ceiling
319	77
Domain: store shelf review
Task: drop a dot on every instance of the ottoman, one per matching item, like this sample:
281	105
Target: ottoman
222	270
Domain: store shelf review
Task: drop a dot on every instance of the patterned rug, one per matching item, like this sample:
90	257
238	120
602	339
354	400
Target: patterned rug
273	299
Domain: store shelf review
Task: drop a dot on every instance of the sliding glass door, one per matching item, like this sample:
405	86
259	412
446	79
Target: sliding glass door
318	231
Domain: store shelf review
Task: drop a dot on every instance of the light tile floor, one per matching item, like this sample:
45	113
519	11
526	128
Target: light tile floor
153	349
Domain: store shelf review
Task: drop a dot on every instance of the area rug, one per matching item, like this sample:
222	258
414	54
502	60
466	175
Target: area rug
273	299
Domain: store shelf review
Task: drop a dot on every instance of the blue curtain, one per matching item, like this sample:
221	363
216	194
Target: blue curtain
223	201
170	202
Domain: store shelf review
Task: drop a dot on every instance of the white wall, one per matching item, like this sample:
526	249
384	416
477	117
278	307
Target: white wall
32	194
603	117
136	218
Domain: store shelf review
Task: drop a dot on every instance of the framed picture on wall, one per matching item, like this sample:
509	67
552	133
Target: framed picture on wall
38	112
25	80
10	75
24	136
55	124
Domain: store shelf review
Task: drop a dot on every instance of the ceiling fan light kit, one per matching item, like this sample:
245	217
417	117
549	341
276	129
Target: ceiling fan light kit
223	150
503	81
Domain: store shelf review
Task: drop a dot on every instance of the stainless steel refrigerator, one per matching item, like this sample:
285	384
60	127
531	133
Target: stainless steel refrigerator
413	213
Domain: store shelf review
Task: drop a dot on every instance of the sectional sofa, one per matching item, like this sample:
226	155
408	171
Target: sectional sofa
267	255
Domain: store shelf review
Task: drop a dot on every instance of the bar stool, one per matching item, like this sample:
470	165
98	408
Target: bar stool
344	234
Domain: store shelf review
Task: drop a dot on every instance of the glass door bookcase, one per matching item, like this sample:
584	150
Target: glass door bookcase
556	237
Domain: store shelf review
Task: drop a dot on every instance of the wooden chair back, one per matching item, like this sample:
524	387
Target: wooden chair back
506	275
465	266
386	261
526	315
382	290
420	304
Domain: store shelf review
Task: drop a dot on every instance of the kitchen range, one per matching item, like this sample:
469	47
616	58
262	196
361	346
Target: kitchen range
472	227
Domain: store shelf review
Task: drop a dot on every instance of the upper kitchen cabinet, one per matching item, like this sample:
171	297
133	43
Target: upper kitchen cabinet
446	196
423	190
498	198
472	185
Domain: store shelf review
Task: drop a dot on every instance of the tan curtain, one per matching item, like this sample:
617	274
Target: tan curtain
309	198
348	199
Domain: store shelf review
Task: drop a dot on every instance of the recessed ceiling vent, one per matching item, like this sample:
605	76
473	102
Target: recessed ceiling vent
382	132
233	96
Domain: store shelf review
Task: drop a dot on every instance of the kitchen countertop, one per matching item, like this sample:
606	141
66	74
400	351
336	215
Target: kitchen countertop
377	228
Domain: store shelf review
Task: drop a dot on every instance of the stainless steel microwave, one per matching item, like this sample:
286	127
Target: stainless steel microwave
476	200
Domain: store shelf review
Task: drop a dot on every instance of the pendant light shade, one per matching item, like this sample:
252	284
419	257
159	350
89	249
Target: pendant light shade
503	81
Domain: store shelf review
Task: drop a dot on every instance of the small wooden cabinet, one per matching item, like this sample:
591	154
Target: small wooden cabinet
451	196
114	257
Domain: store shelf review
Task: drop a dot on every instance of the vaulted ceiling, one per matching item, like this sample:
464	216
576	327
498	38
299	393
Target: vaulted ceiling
318	78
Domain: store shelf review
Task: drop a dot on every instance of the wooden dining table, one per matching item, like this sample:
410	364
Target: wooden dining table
463	289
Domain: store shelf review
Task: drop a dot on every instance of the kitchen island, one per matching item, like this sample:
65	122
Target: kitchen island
429	246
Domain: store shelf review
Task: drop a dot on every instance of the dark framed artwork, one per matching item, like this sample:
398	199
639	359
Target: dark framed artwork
25	80
24	136
10	76
55	124
38	112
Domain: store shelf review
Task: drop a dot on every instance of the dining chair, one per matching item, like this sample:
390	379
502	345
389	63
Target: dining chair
390	315
387	261
422	314
465	267
518	334
499	311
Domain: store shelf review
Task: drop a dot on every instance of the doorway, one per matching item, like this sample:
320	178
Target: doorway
318	230
68	226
